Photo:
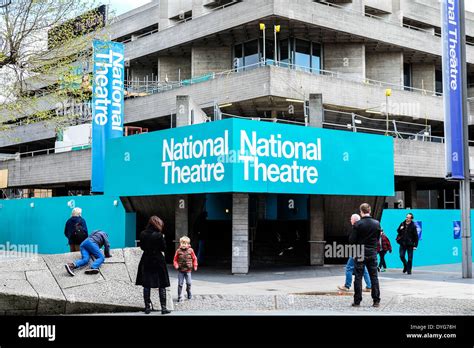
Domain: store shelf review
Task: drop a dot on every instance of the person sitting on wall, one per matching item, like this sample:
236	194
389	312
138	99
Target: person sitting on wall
91	247
75	230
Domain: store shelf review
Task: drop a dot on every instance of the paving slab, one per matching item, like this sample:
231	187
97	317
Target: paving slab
115	271
23	264
51	298
117	256
12	275
17	295
132	259
56	265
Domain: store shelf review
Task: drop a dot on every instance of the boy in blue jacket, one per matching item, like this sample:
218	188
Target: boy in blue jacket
92	246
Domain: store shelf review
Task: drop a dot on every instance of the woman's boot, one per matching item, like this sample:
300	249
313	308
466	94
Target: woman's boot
162	292
146	297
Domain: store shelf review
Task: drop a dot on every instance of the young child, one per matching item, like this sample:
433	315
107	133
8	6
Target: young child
91	247
184	261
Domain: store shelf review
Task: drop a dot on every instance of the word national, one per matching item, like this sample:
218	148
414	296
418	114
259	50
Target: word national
104	62
254	148
192	150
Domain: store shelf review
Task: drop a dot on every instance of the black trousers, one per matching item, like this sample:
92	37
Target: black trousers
371	263
406	250
382	263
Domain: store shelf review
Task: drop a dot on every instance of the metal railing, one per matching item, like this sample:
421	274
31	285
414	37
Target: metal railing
146	87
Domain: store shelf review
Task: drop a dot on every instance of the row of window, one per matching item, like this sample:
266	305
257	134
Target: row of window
305	55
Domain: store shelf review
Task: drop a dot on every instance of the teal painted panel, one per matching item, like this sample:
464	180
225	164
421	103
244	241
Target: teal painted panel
237	155
43	224
437	246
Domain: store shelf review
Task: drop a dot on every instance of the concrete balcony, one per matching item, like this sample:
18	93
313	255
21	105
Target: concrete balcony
27	133
335	19
337	89
58	168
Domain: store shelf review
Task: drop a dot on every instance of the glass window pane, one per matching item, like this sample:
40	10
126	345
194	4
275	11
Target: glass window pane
252	56
284	53
303	55
316	58
239	57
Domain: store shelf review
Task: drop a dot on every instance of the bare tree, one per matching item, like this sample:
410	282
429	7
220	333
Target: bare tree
45	54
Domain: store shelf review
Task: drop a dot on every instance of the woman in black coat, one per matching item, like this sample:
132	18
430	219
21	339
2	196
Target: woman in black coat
152	271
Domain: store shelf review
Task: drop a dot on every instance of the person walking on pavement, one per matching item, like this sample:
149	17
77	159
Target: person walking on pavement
75	230
91	247
350	267
366	233
383	246
184	262
152	271
408	239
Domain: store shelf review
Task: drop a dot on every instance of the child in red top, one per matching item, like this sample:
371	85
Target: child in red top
383	245
185	262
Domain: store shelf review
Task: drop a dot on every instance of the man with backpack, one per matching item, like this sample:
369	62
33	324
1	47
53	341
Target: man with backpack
75	230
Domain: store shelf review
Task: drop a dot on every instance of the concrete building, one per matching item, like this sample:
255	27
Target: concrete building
329	65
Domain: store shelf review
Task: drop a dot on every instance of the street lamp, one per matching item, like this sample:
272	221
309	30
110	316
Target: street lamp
277	30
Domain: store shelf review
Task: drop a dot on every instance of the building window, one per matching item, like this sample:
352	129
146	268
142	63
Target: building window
302	55
407	80
439	82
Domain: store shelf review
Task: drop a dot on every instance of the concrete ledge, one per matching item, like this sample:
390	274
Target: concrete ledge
41	286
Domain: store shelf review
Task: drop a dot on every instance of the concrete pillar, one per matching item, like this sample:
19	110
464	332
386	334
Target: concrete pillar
316	212
181	218
316	230
357	5
240	233
316	111
188	112
411	195
181	201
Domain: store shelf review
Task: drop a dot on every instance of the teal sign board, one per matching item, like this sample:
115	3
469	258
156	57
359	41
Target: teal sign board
247	156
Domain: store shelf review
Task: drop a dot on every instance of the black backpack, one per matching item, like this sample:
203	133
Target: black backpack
78	235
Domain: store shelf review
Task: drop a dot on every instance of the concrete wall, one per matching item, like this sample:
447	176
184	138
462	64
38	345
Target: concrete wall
199	9
384	66
27	133
348	59
174	68
418	158
63	167
383	5
205	60
141	72
240	233
423	76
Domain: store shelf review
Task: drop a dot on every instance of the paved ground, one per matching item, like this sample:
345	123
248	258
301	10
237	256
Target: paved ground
436	290
40	285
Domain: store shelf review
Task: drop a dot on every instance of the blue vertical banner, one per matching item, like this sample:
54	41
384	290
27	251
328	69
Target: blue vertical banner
457	229
107	104
452	88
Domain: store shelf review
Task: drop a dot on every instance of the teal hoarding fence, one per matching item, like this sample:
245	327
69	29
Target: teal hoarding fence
440	243
237	155
40	221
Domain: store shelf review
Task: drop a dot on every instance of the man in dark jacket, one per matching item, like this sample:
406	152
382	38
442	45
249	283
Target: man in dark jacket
366	233
92	246
75	222
408	239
